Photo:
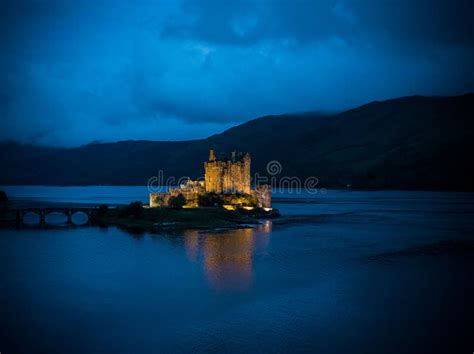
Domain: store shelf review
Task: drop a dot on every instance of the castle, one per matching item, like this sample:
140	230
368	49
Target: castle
227	178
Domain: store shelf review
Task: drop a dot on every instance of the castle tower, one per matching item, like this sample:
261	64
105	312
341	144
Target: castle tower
227	176
213	171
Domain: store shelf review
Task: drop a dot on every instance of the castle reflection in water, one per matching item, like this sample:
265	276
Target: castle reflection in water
228	256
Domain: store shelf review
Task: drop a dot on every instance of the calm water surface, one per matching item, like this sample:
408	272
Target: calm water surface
355	272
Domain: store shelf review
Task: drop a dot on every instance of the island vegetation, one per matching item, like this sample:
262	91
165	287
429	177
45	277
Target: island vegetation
176	216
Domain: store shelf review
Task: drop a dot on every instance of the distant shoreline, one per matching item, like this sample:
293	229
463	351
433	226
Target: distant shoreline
328	189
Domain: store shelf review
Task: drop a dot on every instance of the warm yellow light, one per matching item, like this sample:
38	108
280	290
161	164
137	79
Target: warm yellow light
248	207
229	207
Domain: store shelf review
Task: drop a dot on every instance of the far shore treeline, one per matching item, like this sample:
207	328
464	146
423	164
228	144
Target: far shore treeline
416	142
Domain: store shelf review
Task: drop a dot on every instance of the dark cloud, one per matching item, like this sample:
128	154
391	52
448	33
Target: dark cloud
246	22
74	72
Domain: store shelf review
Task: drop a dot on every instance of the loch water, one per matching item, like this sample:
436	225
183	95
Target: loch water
350	272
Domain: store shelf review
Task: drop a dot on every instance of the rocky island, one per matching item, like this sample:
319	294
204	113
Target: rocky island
224	199
135	216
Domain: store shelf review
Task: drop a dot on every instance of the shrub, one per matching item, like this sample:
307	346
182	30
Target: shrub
241	199
177	202
103	209
209	199
3	196
158	200
134	209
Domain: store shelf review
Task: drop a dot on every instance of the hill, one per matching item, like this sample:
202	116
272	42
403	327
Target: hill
405	143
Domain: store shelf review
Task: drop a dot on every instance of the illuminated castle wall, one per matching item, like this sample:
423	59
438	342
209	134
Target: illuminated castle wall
227	176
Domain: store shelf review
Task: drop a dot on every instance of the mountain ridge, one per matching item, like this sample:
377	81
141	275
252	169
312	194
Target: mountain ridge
413	142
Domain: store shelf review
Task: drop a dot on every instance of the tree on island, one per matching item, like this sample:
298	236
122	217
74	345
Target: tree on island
3	196
134	209
177	202
209	199
102	210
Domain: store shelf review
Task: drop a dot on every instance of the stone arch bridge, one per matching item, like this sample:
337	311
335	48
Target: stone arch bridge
44	211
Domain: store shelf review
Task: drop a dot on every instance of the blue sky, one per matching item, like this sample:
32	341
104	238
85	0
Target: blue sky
75	72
